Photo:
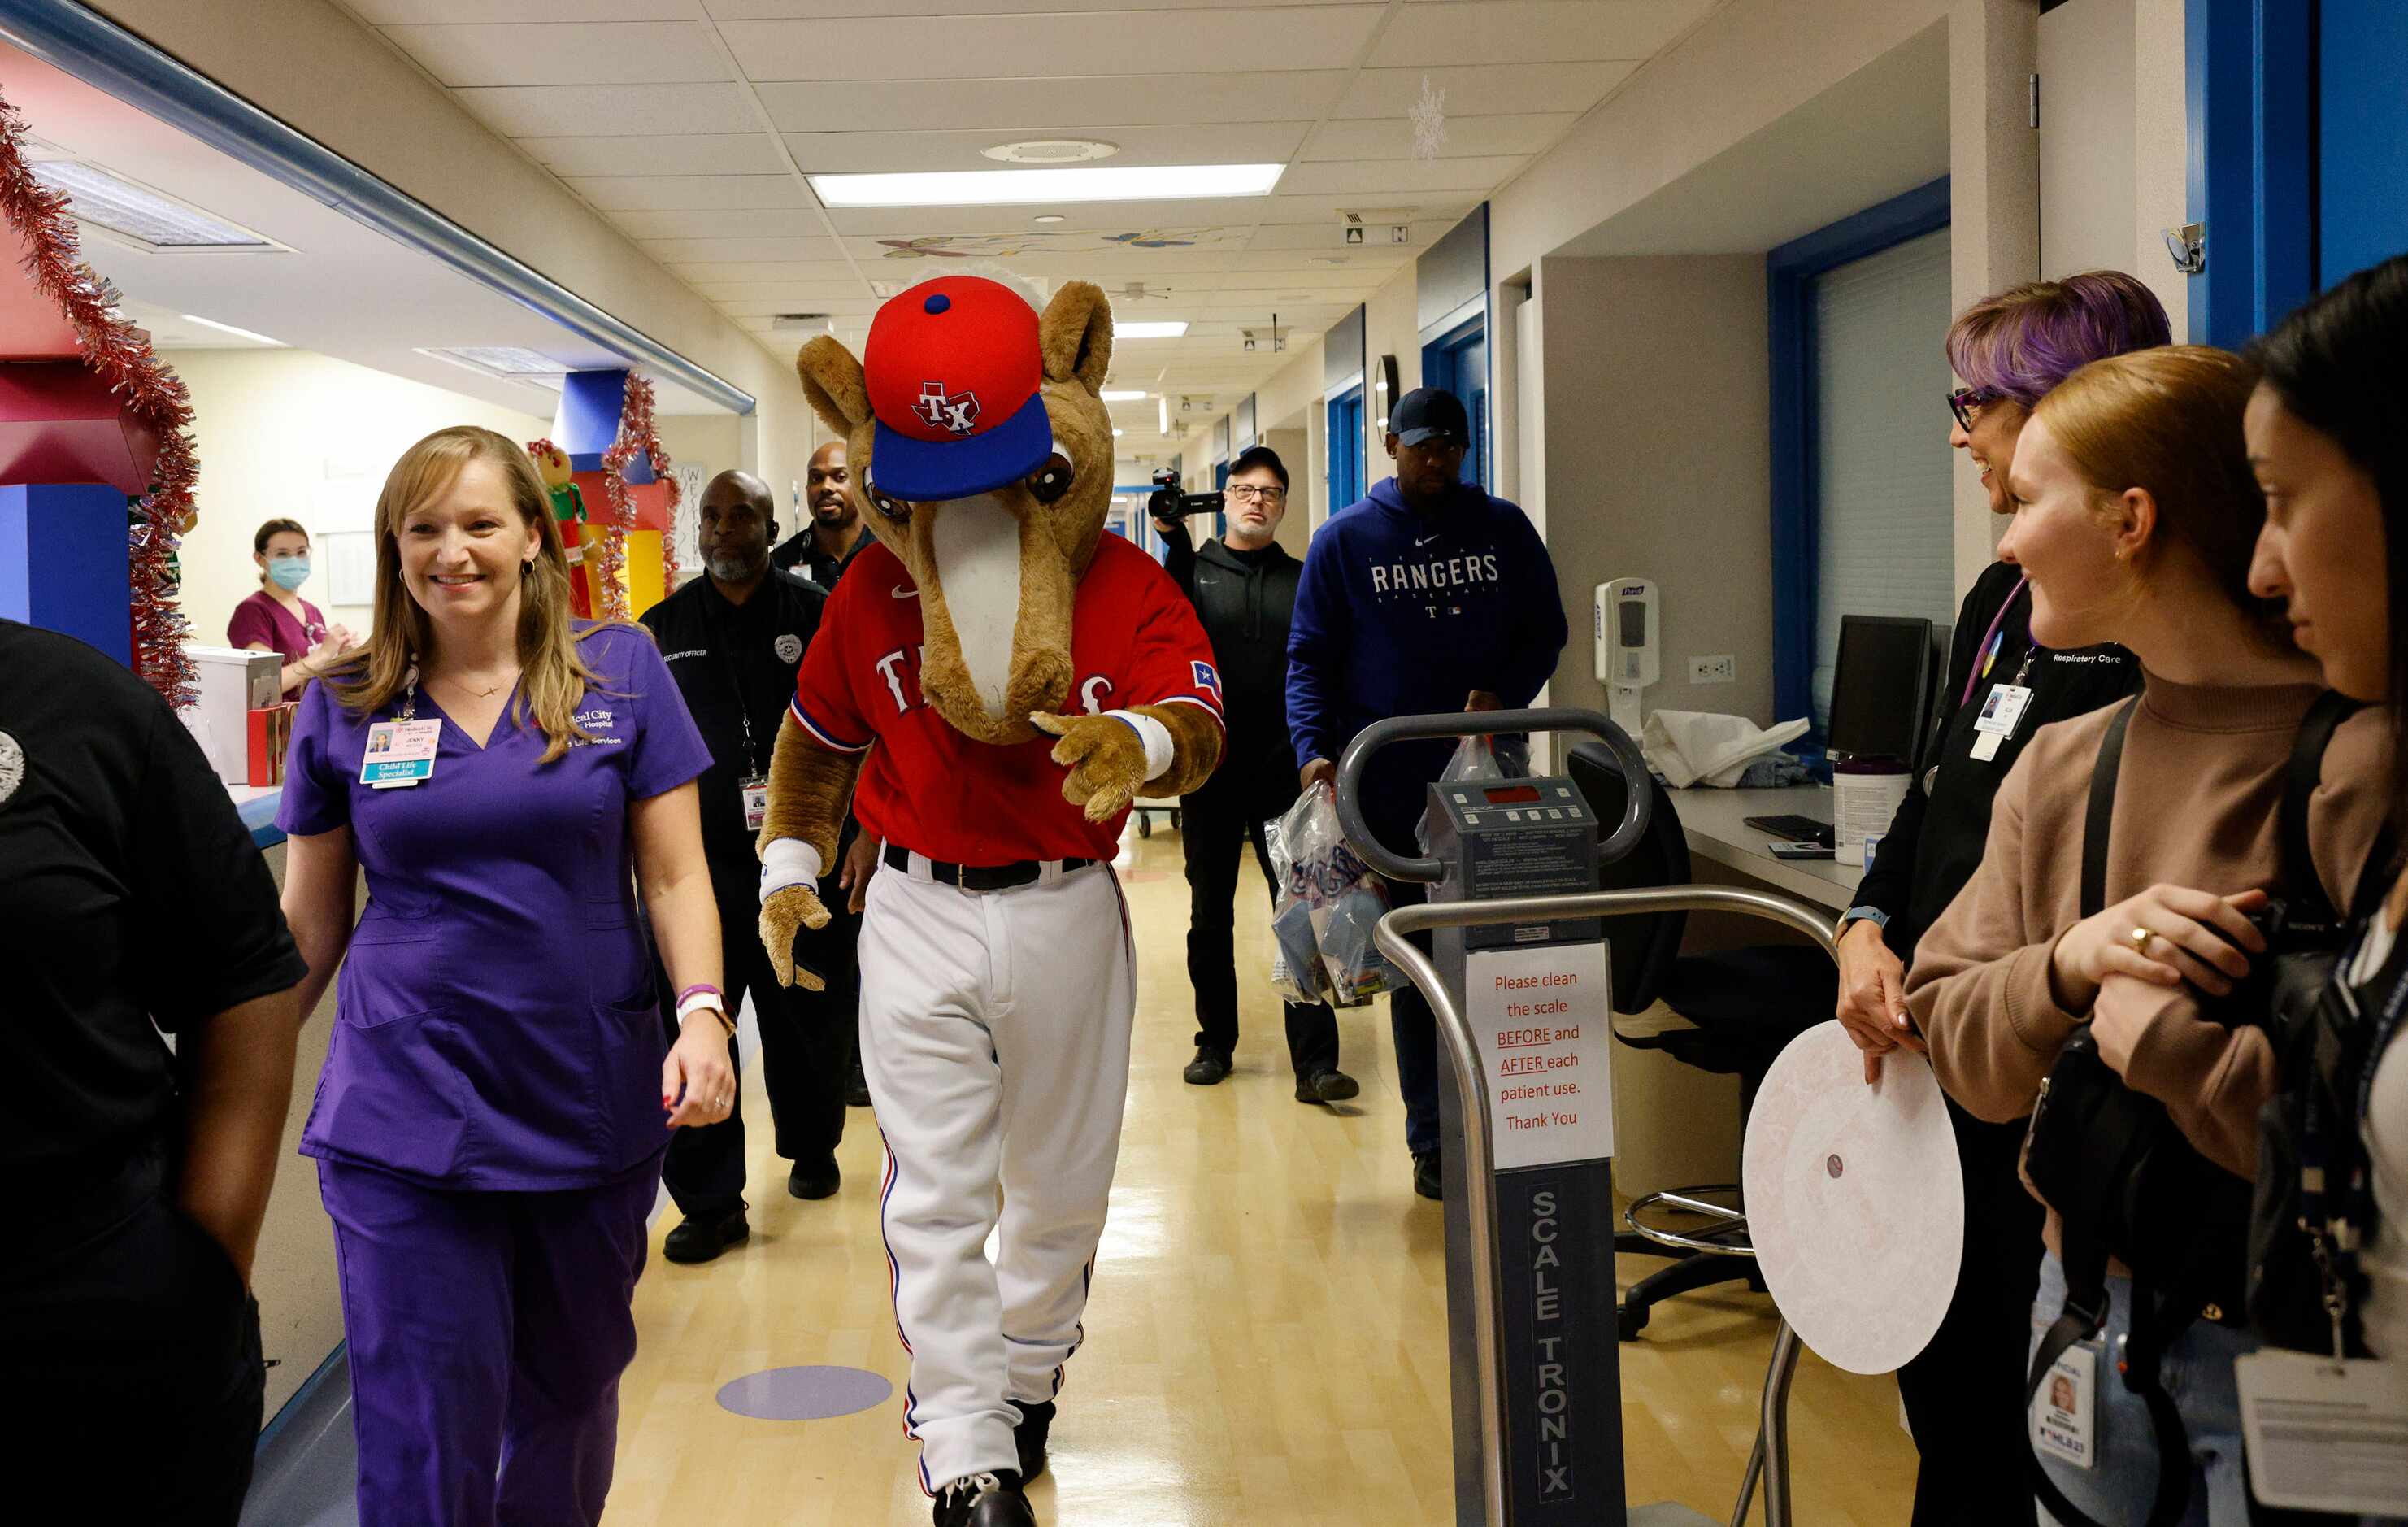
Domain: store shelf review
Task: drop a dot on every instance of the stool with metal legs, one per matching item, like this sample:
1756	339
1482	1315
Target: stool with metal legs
1769	1461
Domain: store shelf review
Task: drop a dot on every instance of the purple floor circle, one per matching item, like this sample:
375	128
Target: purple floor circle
803	1395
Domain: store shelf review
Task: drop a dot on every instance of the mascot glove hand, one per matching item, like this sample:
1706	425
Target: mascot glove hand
790	902
1109	758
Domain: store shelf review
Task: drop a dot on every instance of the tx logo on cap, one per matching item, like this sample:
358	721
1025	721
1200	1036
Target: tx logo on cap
946	411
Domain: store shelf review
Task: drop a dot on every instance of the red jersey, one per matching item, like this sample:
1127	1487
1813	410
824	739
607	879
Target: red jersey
1134	640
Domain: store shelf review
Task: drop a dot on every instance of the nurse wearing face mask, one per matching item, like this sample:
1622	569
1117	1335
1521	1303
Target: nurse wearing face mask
277	619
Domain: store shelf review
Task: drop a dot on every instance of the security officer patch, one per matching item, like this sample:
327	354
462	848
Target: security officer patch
790	648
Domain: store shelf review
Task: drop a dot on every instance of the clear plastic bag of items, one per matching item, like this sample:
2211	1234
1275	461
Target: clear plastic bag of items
1328	904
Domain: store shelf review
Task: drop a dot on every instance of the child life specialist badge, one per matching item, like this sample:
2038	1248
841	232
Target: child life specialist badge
399	753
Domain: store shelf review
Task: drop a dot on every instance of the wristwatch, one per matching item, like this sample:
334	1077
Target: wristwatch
1874	916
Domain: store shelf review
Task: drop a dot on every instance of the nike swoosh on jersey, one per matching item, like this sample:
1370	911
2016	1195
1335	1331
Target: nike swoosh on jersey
903	594
1425	541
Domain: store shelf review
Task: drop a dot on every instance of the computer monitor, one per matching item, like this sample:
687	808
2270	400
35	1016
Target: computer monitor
1881	687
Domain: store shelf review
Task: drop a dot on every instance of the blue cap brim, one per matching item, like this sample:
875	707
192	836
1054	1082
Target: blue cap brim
930	471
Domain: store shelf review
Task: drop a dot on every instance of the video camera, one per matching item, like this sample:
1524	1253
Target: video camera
1167	503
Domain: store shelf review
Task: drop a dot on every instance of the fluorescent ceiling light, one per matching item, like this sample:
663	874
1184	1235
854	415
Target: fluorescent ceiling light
1001	187
1111	395
1162	415
229	328
500	360
139	213
1153	329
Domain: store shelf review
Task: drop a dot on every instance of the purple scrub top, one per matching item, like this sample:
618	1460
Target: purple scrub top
259	618
497	1027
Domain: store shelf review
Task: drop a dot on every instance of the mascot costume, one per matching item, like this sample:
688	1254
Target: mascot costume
997	980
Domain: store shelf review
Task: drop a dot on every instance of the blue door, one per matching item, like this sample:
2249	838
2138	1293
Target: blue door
1345	449
1220	484
2361	135
1457	361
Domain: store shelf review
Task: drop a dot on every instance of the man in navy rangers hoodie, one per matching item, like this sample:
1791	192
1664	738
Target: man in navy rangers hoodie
1428	596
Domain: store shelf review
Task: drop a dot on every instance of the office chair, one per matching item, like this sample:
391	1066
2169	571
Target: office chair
1745	1005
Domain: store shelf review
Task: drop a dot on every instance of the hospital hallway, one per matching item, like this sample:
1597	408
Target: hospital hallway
1266	1339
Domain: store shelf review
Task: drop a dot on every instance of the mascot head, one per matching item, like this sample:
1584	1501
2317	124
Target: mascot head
981	456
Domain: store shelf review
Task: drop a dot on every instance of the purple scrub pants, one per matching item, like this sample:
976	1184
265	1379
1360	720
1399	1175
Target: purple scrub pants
487	1334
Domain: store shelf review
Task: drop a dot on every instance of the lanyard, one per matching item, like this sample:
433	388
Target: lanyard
736	683
1983	647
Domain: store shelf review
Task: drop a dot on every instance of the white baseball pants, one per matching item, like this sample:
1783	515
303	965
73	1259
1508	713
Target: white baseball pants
995	1033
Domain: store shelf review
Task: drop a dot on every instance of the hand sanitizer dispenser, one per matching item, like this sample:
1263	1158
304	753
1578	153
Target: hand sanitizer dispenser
1629	638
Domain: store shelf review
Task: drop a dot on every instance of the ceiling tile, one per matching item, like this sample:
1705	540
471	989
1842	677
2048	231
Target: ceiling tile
737	223
762	270
592	110
1532	31
1049	103
605	53
694	249
1090	217
690	153
407	12
1243	143
1485	88
1295	242
1025	47
691	193
1392	138
1400	176
730	10
789	293
1419	206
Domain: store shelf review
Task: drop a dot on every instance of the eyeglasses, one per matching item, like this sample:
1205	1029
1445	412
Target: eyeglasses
1246	493
1965	402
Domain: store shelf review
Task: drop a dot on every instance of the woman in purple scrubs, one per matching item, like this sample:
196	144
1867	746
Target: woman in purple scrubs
277	619
490	1123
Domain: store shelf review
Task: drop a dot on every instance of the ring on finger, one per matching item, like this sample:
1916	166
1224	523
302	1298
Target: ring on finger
2141	939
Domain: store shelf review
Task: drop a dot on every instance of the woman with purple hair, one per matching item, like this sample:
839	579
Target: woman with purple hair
1964	1394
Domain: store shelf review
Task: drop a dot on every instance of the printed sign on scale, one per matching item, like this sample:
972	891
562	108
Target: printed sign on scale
1547	1042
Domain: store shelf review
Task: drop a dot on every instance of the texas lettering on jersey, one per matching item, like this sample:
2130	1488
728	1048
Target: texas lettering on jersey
1135	640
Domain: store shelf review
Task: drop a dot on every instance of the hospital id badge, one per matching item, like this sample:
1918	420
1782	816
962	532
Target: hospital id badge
756	801
2065	1412
2324	1435
2002	713
399	753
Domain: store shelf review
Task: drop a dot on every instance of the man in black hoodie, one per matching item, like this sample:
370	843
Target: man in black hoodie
1243	586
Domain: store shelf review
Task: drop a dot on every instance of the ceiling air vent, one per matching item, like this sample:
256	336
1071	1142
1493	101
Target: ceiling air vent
150	220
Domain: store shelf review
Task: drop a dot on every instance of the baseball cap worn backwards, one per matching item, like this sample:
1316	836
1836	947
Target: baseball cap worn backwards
952	369
1426	412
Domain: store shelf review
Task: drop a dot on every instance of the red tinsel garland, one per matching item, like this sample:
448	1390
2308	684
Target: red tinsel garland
122	354
637	435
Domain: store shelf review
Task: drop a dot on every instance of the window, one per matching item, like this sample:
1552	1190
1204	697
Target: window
1346	448
1883	486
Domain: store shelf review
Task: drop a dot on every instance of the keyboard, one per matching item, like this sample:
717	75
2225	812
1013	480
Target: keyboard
1794	829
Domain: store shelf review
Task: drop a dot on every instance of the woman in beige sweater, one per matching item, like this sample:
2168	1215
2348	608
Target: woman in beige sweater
2135	516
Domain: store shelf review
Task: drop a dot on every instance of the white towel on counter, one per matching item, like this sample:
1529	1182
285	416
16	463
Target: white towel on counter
1698	747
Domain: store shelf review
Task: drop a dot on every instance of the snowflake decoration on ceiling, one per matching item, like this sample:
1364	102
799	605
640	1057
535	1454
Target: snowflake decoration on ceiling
1428	116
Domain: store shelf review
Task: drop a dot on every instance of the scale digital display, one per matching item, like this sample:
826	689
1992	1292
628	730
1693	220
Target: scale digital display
1510	794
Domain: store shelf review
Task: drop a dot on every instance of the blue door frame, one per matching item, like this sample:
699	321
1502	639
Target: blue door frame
1790	273
1458	362
1346	448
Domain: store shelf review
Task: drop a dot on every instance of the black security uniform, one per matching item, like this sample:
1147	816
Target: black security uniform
1964	1394
132	901
1244	601
801	553
735	664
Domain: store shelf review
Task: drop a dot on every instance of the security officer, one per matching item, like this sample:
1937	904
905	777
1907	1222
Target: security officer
733	640
1242	585
821	551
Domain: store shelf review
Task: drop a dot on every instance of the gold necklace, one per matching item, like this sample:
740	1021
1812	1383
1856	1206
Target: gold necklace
480	694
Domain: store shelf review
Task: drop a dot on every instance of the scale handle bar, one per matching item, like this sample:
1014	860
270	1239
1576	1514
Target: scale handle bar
1394	937
1379	734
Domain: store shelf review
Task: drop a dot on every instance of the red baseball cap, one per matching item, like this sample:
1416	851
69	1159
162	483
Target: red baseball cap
953	368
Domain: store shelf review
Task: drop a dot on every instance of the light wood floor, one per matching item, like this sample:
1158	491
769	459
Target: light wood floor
1266	1336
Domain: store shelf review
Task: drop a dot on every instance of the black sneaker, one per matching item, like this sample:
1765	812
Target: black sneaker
701	1239
814	1179
1427	1180
1036	1420
985	1500
1331	1086
1209	1068
856	1088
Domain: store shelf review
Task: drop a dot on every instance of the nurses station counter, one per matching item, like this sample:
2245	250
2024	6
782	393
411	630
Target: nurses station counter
300	1302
